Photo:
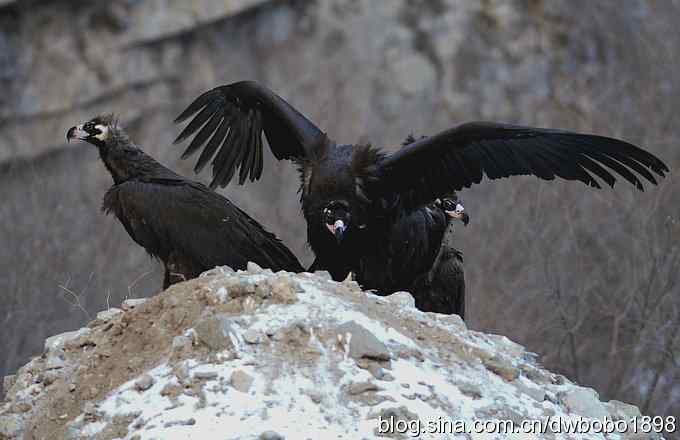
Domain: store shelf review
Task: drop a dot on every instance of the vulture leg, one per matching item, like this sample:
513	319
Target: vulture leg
178	269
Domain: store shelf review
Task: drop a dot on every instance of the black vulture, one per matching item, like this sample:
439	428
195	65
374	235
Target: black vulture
424	260
354	195
183	223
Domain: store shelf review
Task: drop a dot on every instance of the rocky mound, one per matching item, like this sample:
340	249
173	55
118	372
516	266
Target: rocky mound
258	355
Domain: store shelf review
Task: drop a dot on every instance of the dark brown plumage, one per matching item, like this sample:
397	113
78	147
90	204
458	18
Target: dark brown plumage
183	223
357	199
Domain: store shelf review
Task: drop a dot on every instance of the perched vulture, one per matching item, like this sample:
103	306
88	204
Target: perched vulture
183	223
355	196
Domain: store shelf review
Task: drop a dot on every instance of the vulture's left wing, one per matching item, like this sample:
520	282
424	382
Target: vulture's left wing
459	157
231	120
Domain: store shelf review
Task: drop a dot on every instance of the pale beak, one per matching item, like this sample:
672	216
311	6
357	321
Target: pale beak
459	214
76	132
337	229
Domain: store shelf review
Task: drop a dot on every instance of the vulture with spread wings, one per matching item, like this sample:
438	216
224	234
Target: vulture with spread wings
355	196
186	225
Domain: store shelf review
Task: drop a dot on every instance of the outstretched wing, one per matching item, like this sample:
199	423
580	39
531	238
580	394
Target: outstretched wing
459	157
231	119
170	216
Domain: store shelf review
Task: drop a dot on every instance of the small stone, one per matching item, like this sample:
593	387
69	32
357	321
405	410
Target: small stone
132	303
171	390
253	267
271	435
241	381
362	343
620	410
107	315
361	387
376	370
188	422
252	336
144	383
205	375
403	299
470	389
50	377
219	297
55	362
219	270
214	332
90	408
387	377
502	367
584	402
536	393
315	396
20	407
64	340
181	343
283	289
323	274
71	387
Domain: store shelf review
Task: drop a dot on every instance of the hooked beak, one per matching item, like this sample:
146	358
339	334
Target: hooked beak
459	214
337	229
76	132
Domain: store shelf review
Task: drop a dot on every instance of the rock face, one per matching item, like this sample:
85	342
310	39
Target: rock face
258	355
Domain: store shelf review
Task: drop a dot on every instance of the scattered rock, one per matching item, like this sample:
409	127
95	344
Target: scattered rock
252	336
215	331
253	267
271	435
144	383
188	422
171	390
502	367
584	402
20	407
50	377
55	362
361	387
536	393
205	375
109	314
323	274
619	410
362	343
241	381
132	303
283	289
470	389
74	339
181	343
402	299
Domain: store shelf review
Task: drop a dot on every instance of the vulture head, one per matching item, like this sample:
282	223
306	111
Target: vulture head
96	131
453	208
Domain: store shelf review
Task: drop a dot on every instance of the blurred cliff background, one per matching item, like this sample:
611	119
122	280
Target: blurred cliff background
588	279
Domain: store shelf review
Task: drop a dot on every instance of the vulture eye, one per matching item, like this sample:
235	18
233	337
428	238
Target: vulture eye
448	205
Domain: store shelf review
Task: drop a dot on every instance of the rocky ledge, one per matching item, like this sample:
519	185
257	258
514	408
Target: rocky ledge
261	355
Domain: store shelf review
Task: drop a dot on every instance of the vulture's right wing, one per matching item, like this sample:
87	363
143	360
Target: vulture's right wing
186	217
231	119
